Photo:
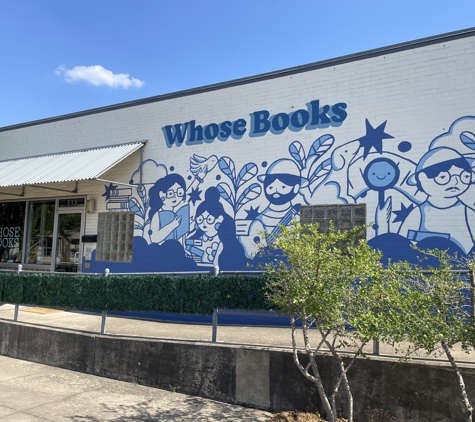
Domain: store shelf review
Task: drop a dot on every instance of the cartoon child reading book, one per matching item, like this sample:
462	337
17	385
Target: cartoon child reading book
214	241
169	213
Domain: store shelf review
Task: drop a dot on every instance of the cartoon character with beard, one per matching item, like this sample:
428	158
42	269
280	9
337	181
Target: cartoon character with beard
282	183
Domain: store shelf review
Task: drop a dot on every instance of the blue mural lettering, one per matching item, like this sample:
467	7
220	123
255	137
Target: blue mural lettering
175	134
261	122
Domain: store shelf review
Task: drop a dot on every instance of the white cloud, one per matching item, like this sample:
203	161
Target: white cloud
97	75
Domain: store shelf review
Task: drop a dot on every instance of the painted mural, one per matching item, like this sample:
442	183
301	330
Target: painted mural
214	211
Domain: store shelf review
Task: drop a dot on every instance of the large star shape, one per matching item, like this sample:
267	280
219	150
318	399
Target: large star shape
374	138
108	191
402	214
252	213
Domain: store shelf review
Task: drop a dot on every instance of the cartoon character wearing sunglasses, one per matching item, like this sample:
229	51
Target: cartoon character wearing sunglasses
443	174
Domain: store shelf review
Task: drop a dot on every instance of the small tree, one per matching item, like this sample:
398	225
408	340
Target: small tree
330	281
433	312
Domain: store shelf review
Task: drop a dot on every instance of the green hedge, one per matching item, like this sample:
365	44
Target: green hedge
198	294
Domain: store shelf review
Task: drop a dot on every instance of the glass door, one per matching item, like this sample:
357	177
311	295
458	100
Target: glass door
68	251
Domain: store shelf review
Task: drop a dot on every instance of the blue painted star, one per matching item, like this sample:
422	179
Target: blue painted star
108	191
252	213
402	214
374	138
194	195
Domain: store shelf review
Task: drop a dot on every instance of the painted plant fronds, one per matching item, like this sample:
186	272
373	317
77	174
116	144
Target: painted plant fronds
238	191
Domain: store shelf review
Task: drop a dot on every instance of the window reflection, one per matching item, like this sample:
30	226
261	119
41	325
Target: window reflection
12	220
40	232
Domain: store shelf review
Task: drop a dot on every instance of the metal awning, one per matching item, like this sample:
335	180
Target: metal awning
64	167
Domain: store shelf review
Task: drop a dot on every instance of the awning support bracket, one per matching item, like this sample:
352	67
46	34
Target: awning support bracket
15	194
75	190
117	183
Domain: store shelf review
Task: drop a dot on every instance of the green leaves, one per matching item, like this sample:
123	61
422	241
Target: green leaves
326	276
433	305
336	281
198	294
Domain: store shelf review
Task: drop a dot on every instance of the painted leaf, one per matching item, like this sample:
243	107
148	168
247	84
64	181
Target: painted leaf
246	174
142	191
227	167
138	226
226	193
468	139
250	193
136	207
197	159
298	153
318	181
321	146
318	171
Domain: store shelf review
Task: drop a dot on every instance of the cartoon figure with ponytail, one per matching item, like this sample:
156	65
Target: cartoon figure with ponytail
214	240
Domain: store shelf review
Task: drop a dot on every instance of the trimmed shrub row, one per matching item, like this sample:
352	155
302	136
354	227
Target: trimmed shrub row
198	294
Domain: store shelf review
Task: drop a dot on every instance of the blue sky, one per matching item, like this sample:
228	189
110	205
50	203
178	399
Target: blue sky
63	56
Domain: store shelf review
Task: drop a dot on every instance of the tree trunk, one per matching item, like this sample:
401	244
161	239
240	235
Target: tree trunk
316	378
344	378
466	402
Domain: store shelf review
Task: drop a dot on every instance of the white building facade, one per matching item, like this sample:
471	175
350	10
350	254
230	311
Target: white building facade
191	180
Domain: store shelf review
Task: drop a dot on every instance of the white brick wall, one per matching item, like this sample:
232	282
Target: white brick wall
419	92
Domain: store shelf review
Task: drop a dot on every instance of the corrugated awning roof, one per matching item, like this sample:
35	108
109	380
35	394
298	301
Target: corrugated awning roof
64	167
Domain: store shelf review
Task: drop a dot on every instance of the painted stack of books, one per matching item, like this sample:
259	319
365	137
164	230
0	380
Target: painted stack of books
119	199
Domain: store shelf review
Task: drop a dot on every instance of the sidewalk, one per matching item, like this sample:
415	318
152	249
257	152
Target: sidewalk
30	392
33	392
246	335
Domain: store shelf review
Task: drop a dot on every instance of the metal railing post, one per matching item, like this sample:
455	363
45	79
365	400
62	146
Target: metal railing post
375	347
104	313
15	314
103	322
17	306
472	295
214	336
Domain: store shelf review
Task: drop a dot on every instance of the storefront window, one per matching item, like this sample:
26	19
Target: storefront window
12	221
40	232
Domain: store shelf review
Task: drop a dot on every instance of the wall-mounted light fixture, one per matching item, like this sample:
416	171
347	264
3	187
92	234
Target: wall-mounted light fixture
90	205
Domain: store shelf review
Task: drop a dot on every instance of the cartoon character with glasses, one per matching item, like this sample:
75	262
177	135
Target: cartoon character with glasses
169	213
443	174
214	240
